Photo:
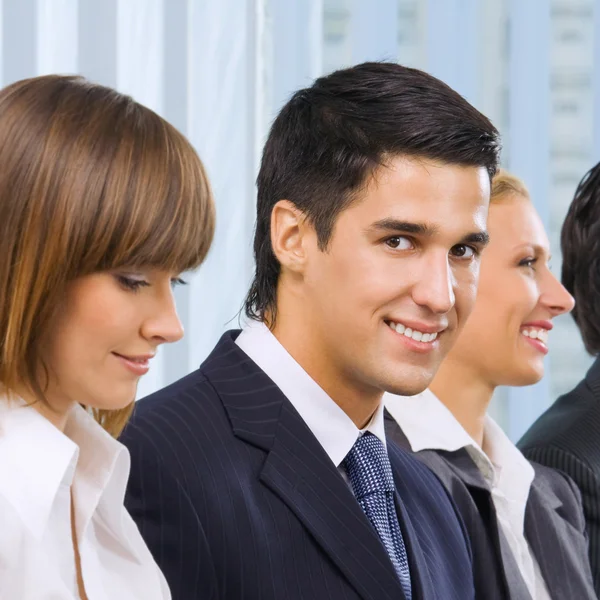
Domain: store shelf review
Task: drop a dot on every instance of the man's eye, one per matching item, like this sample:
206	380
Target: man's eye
463	251
399	242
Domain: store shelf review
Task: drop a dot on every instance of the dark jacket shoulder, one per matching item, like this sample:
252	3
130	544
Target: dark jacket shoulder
570	426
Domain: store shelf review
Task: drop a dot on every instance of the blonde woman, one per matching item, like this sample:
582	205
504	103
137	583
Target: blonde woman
525	521
102	205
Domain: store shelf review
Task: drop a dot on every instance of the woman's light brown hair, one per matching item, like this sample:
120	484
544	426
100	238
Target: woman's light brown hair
90	181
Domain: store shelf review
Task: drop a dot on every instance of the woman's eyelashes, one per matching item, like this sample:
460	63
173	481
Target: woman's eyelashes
177	281
528	262
131	283
134	284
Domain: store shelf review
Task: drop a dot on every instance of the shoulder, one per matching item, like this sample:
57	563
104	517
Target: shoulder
558	466
571	423
185	390
573	450
174	422
565	436
191	397
548	478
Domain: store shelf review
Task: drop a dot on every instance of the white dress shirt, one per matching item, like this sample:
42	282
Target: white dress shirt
332	427
40	468
429	425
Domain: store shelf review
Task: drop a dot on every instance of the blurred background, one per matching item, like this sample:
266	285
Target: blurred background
220	70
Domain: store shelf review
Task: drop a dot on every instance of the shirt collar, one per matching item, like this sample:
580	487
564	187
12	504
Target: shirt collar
429	425
514	473
36	458
332	427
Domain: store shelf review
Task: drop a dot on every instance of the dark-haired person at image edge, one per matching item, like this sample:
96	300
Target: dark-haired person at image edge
525	521
567	435
266	473
102	205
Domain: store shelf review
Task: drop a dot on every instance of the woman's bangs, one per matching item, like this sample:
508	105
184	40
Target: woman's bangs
162	216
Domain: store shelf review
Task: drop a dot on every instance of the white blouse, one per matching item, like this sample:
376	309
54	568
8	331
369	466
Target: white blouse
40	467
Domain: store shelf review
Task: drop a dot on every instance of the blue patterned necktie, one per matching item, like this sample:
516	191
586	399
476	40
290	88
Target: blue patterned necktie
370	473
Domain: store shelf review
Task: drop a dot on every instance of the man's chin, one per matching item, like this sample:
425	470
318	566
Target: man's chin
409	384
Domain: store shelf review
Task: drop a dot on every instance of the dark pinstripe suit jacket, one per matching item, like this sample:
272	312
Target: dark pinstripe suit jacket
567	437
237	499
554	527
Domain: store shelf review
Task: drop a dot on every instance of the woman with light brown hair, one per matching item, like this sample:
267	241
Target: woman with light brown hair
103	205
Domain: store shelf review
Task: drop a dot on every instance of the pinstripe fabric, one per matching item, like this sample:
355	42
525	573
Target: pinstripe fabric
554	527
237	500
567	437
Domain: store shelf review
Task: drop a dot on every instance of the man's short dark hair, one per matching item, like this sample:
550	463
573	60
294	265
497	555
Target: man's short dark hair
330	137
580	245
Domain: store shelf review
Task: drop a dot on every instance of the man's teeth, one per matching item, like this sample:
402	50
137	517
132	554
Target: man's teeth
418	336
536	334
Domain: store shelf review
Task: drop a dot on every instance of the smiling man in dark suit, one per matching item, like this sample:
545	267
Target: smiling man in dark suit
266	473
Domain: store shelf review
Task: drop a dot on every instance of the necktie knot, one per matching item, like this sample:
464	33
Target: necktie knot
368	467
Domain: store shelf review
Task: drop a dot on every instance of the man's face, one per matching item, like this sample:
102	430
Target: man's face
387	298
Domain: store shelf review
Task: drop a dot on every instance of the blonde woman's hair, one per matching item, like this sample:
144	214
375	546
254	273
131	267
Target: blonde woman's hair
90	181
505	185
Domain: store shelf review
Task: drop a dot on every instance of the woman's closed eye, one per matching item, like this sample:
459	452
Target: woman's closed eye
176	281
528	262
131	283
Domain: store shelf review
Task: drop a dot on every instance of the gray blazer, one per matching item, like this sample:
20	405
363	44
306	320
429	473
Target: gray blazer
567	437
554	527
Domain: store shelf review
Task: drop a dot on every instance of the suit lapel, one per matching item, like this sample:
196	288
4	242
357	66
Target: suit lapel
458	468
540	531
421	583
556	544
466	470
300	473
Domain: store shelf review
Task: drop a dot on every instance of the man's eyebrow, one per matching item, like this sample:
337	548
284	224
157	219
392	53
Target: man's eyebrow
396	226
481	238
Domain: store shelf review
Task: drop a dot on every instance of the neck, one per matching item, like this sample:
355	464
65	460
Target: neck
57	418
309	350
465	393
56	413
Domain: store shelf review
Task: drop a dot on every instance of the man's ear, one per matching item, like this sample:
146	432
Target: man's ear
288	235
